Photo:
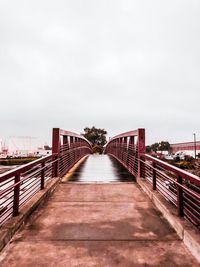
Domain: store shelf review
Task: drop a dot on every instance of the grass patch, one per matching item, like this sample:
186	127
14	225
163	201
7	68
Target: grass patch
16	161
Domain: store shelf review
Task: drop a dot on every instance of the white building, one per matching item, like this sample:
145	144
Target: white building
40	152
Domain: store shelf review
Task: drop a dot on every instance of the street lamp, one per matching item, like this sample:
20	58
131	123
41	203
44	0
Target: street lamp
195	146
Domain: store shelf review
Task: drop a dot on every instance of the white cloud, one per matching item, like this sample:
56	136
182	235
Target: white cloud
114	64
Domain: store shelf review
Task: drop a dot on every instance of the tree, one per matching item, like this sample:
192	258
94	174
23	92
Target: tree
164	146
148	149
161	146
95	135
155	147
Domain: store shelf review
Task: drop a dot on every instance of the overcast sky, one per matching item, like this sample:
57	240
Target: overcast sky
119	65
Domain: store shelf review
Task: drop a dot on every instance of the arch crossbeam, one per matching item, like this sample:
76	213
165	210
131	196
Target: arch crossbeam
128	148
69	148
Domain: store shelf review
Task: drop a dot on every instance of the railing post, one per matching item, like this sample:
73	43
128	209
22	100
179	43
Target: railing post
154	176
130	153
141	151
56	150
180	197
125	150
16	196
42	175
71	141
65	140
55	166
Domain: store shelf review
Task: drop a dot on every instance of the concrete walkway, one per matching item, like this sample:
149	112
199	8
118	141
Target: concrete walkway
100	168
97	225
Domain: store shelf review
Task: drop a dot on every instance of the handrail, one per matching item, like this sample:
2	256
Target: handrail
179	187
68	133
27	176
186	175
70	147
127	150
125	134
170	179
22	183
25	167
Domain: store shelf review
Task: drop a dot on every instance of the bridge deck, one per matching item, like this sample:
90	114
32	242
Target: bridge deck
100	168
112	224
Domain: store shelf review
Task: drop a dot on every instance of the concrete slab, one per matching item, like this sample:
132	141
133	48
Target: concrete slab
118	192
99	221
185	230
8	229
97	254
75	230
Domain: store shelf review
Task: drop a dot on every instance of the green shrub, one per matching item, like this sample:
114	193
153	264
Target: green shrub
185	165
16	161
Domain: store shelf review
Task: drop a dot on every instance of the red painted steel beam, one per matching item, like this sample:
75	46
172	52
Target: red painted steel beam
56	141
68	133
126	134
69	150
124	149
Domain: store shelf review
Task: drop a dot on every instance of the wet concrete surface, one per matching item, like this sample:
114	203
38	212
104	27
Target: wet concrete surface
97	224
101	168
98	254
115	225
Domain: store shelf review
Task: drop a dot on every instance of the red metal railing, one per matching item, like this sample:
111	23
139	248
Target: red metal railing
127	148
21	184
179	187
70	148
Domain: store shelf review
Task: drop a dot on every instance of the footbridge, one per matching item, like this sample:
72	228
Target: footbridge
122	208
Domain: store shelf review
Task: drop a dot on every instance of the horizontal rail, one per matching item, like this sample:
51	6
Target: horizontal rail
70	147
71	134
127	148
184	174
21	184
126	134
179	187
23	168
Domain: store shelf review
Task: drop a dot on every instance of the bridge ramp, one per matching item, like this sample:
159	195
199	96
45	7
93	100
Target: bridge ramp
97	225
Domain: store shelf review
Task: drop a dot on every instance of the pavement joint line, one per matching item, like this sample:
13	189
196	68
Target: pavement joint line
100	202
97	240
96	183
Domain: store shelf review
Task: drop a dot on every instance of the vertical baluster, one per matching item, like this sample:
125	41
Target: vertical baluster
154	176
66	153
42	175
56	151
125	151
141	151
55	166
180	197
16	196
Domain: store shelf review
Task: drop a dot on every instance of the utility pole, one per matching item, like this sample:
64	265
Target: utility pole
195	146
